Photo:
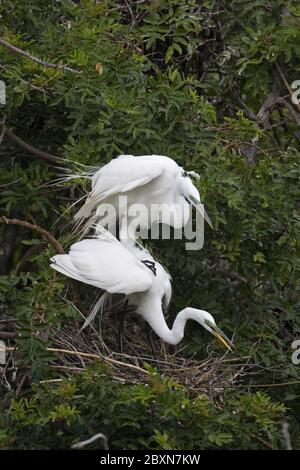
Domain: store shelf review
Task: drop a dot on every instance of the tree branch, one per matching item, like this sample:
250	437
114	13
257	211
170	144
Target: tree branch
286	84
19	51
29	148
36	228
100	435
287	104
57	246
7	335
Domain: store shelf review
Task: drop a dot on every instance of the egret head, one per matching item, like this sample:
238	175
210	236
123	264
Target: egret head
192	195
207	321
189	190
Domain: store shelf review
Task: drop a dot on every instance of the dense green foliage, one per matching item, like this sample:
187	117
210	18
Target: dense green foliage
208	84
160	416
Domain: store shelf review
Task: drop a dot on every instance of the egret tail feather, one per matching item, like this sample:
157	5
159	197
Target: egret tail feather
97	307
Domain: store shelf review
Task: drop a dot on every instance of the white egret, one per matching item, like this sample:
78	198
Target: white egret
105	263
146	180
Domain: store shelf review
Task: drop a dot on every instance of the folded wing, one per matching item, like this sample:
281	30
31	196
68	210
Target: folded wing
104	263
121	175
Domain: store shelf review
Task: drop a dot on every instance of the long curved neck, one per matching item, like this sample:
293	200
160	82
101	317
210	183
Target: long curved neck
158	324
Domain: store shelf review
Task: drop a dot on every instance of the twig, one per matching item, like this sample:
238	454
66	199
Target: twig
282	76
57	246
94	438
21	384
262	441
7	335
286	435
91	356
36	228
50	381
17	50
97	356
29	148
251	143
66	368
2	123
235	359
8	245
280	384
288	105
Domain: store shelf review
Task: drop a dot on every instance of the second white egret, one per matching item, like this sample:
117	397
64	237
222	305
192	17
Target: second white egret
105	263
146	181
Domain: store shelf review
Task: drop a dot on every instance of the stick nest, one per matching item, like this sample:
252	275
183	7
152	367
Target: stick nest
74	350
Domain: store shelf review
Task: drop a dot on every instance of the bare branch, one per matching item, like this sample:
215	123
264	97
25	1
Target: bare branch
29	148
291	109
92	439
57	246
36	228
286	84
7	335
286	435
19	51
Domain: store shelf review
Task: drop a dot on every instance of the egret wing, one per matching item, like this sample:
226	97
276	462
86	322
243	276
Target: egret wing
121	175
105	264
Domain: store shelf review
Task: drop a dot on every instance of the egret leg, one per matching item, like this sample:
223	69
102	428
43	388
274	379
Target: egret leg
150	340
121	328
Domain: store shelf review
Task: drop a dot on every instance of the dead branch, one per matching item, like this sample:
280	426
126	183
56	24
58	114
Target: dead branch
286	435
92	439
22	383
7	335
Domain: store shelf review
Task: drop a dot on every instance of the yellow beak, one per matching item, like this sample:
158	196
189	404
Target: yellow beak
221	337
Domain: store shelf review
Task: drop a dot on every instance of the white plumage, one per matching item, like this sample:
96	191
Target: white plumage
146	180
97	262
105	263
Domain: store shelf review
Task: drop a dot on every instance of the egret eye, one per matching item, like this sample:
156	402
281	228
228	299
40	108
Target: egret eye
194	200
209	323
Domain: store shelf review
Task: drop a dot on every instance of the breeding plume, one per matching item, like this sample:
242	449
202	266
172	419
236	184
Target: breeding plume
105	263
147	181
